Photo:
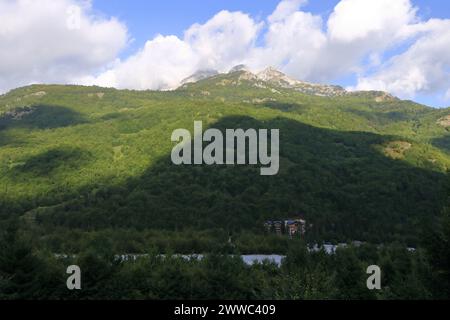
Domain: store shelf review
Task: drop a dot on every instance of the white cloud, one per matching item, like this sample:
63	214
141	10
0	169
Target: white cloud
355	39
381	21
161	64
223	41
351	41
54	41
423	68
220	43
284	9
292	43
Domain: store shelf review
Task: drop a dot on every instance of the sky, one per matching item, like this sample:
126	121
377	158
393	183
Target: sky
399	46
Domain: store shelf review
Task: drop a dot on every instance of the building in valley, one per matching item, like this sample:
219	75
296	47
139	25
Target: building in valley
295	227
290	227
274	227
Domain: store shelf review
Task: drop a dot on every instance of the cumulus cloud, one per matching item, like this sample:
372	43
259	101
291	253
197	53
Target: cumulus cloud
383	43
292	43
423	67
222	42
381	21
285	8
54	41
353	40
357	30
161	64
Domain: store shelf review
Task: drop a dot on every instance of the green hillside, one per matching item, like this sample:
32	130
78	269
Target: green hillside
78	162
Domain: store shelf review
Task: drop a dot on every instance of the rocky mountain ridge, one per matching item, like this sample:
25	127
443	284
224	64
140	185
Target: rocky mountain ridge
279	80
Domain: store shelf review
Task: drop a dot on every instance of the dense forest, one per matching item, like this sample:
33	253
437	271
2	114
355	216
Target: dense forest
85	172
30	273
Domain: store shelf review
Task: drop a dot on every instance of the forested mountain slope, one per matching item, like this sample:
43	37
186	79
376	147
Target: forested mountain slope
83	160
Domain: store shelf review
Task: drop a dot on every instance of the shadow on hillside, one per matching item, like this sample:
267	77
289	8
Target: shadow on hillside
442	143
36	117
40	117
283	106
46	163
382	117
337	180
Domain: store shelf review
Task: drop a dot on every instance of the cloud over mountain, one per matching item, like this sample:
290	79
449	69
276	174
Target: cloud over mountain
223	41
423	67
54	41
383	44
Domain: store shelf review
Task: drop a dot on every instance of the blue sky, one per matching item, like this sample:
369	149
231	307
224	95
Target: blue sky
145	19
140	44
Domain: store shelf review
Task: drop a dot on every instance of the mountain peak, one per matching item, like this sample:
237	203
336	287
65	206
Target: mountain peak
200	75
273	75
276	79
239	67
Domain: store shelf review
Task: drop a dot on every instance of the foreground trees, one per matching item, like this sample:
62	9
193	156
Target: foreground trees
29	274
437	243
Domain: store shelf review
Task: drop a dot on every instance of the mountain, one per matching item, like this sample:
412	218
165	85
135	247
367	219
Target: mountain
78	163
271	77
240	67
279	79
200	75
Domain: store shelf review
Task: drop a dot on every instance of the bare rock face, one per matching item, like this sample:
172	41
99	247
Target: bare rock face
278	78
397	149
384	97
272	74
38	94
99	95
275	80
444	121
